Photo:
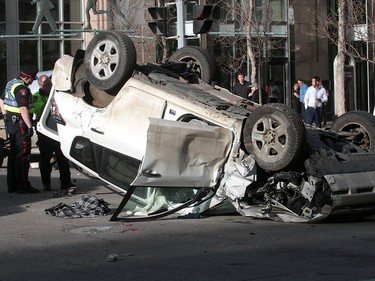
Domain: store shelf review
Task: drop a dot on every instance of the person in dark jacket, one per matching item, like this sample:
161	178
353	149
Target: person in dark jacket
48	146
242	87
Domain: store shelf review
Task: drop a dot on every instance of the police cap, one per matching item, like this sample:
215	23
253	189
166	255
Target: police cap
29	71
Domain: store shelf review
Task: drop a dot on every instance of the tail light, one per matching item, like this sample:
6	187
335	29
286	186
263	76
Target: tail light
56	114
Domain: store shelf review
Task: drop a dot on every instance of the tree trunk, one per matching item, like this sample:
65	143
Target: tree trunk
340	67
250	51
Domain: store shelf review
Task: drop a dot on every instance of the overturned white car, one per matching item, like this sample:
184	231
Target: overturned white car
174	145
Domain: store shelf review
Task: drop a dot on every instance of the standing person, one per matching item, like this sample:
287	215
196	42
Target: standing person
302	91
257	94
273	91
18	106
296	98
91	5
242	87
315	96
43	8
48	146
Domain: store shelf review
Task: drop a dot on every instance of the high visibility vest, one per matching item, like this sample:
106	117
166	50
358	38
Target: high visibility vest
39	104
10	103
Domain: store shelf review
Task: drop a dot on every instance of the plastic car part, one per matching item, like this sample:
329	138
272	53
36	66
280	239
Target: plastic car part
274	135
198	60
110	60
360	128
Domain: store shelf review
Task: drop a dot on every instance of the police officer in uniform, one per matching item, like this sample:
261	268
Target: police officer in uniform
18	106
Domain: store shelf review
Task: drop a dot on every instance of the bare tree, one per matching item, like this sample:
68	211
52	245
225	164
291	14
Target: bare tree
346	26
251	36
340	73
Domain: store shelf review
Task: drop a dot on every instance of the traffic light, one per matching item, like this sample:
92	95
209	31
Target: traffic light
202	15
160	24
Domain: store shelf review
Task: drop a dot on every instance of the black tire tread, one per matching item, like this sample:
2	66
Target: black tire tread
361	118
296	139
206	61
127	61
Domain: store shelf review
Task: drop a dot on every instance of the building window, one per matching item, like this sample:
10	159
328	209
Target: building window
40	50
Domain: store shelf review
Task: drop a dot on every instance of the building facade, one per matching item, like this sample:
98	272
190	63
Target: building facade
293	52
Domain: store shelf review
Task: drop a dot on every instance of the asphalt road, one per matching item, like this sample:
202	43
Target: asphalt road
36	246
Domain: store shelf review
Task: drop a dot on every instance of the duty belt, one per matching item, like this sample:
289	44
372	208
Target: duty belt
13	117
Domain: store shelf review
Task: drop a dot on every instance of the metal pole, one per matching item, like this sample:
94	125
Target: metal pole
12	44
61	19
288	86
181	41
367	62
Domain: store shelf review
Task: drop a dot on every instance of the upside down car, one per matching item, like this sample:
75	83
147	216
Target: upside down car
174	145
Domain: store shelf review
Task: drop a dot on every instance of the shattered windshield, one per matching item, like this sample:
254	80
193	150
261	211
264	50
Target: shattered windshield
151	201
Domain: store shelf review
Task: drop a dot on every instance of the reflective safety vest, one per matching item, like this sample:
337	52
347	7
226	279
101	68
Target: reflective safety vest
10	103
39	104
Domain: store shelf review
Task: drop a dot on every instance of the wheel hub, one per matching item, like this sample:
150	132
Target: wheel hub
270	137
105	59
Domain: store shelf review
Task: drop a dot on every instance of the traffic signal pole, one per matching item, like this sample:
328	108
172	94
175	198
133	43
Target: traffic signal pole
181	40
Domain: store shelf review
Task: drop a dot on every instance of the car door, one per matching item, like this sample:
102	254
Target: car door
183	154
182	163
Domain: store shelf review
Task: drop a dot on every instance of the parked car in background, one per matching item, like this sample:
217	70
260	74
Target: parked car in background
172	144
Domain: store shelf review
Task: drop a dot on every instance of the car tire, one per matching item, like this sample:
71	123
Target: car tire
274	134
110	60
203	63
360	122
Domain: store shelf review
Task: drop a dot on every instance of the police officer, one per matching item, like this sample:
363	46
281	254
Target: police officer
18	106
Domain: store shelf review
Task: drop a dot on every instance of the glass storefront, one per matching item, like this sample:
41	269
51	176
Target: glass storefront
44	48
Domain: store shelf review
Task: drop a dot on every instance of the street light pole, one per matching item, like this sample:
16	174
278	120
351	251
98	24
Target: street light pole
181	40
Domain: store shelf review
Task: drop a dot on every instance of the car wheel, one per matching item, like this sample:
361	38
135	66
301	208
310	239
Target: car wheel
274	134
362	124
109	60
2	152
202	62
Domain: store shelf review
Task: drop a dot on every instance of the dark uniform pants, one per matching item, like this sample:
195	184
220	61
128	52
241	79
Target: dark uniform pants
47	147
19	157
